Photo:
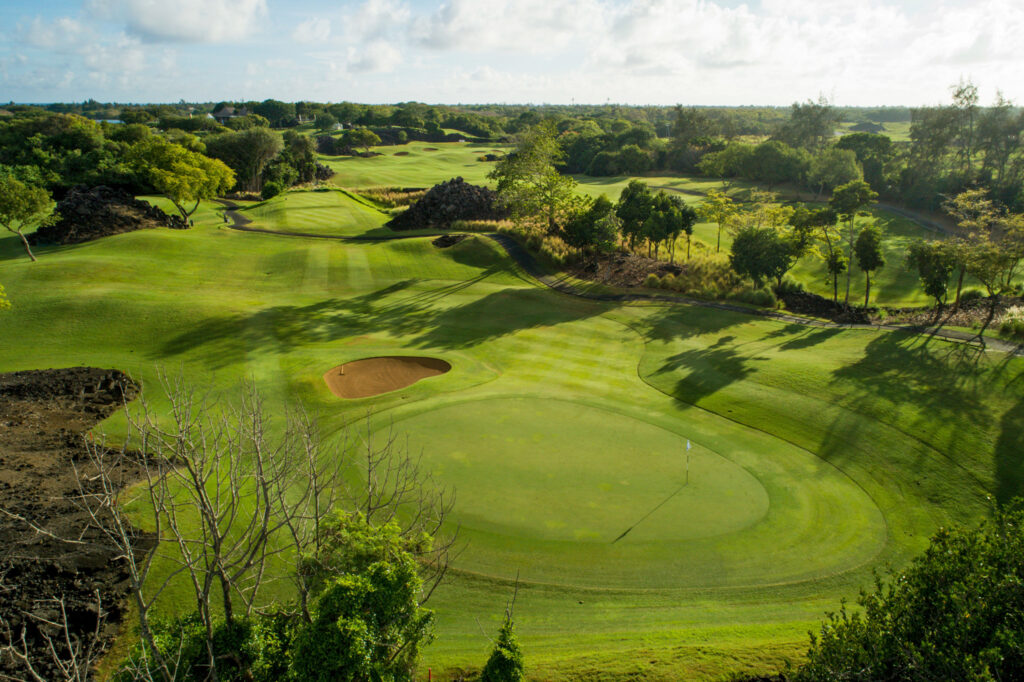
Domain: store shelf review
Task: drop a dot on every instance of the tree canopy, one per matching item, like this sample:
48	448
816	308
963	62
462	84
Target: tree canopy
179	174
954	614
22	205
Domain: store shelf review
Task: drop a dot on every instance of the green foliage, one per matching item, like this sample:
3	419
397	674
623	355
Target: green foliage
719	209
810	125
250	650
528	182
955	613
652	281
596	227
633	209
360	137
22	205
5	302
761	253
774	162
934	263
271	190
868	251
246	152
179	174
366	620
833	167
506	661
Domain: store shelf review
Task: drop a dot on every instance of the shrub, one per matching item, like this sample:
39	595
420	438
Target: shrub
1013	322
668	281
760	297
954	614
971	295
271	190
506	661
652	281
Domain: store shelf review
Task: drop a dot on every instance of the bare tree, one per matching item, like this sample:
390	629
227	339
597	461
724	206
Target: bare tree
396	487
223	493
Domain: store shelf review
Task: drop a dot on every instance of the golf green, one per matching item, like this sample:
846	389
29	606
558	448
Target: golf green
588	495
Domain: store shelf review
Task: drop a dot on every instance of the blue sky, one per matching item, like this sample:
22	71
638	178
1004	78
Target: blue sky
856	52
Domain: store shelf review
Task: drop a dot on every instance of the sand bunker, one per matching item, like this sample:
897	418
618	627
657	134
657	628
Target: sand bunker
373	376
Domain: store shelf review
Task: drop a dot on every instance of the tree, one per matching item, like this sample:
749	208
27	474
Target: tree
229	498
811	125
505	663
325	122
278	113
719	209
633	209
367	622
833	167
774	162
179	174
596	227
247	152
360	137
954	614
965	100
934	262
868	250
23	205
873	152
528	182
849	201
761	253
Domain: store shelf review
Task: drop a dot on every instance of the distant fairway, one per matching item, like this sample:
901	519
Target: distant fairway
819	455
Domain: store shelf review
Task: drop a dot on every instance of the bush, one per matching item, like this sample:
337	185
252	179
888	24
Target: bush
955	613
668	281
969	295
506	661
652	281
759	297
271	190
1013	323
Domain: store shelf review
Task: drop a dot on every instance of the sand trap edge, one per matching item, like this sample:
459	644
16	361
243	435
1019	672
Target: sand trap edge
368	377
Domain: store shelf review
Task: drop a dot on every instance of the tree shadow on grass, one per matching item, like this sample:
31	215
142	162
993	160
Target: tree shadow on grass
944	396
707	370
394	310
1009	455
672	323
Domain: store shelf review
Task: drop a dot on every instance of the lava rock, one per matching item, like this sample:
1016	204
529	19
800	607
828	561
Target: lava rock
89	213
447	202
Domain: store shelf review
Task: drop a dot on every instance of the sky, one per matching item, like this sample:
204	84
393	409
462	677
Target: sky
691	52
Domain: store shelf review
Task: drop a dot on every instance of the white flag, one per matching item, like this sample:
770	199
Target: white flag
688	446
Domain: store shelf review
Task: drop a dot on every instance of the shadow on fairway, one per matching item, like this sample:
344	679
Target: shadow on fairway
672	323
395	310
708	370
1009	455
942	395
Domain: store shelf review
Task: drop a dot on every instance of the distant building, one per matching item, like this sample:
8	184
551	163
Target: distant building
224	114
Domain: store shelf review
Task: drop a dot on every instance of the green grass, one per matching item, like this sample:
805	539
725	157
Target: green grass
416	164
819	455
327	212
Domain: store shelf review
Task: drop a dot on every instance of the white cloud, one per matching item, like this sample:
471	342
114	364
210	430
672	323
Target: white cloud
61	33
190	21
522	25
313	31
376	19
378	56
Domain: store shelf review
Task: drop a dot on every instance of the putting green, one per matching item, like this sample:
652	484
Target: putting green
571	493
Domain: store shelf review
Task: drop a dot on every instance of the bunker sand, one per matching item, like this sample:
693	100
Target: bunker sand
373	376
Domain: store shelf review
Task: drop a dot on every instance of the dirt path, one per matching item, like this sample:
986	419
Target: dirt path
525	260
